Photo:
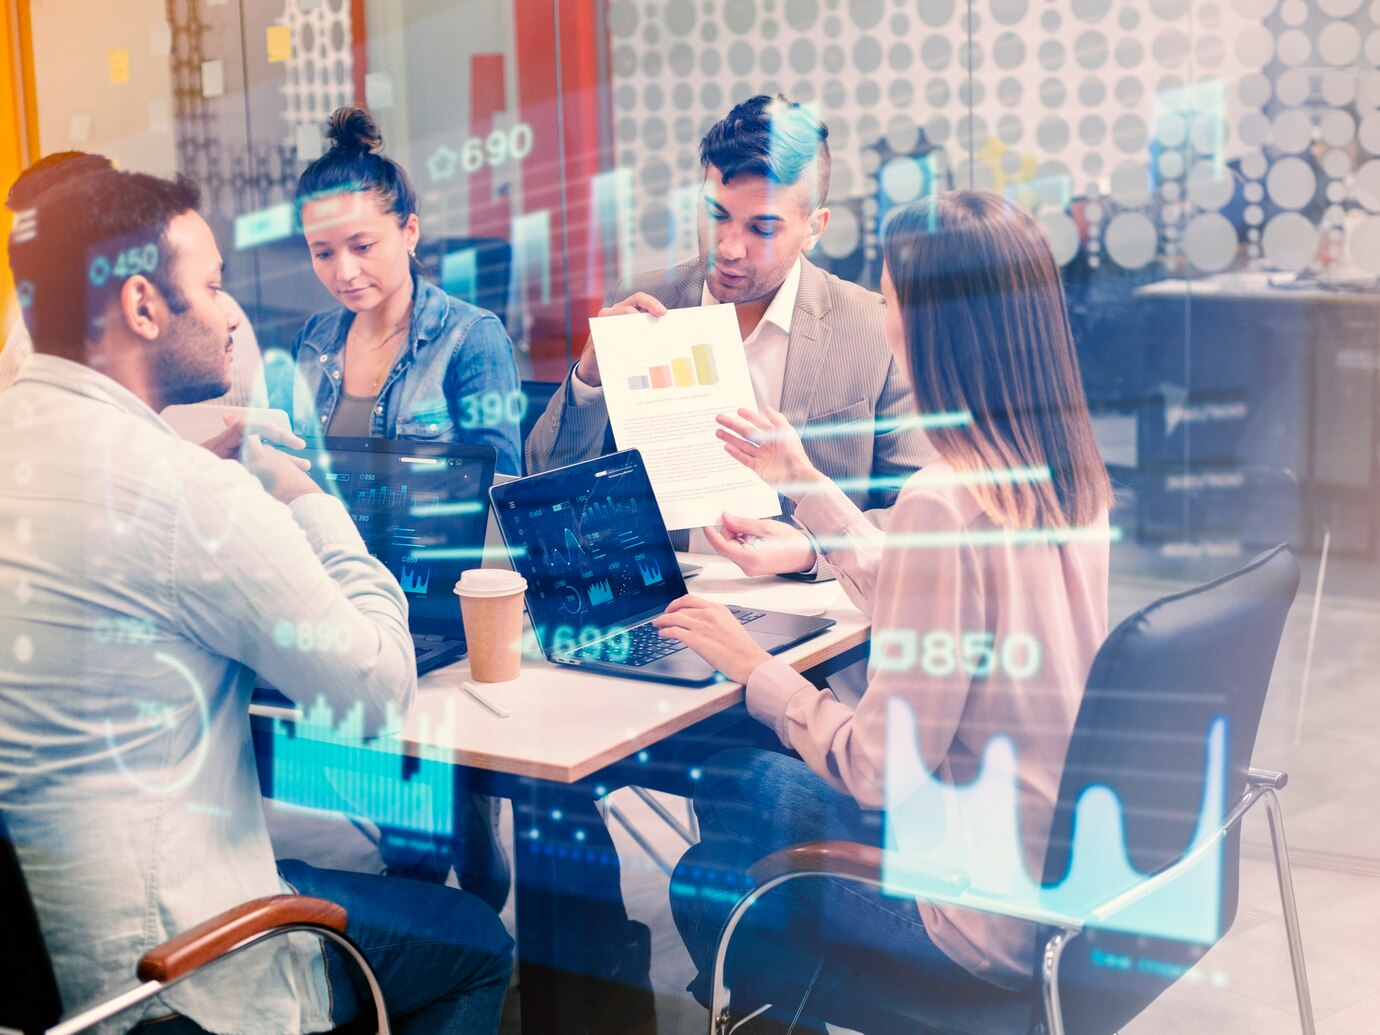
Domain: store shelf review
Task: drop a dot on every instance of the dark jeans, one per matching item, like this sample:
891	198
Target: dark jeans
751	804
475	849
442	958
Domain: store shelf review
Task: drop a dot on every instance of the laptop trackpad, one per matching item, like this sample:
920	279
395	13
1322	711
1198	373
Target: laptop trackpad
772	642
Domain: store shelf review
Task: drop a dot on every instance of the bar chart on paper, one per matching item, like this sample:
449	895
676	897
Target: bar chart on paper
690	371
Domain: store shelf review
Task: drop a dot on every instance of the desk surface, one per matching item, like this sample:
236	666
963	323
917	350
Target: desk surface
1254	286
566	724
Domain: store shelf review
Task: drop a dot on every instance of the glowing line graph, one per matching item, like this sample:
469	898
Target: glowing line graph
974	830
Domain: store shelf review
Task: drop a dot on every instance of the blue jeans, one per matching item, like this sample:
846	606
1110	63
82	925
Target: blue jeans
750	804
441	957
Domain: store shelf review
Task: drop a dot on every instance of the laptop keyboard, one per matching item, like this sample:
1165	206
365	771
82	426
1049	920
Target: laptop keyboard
643	644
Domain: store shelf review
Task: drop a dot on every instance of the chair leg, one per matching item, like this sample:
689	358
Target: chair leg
1275	815
1049	980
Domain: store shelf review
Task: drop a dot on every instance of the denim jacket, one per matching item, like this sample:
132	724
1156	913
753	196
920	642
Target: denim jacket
454	382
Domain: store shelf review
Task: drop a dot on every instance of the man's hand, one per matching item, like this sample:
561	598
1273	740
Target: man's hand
587	370
767	445
714	634
227	444
761	546
283	476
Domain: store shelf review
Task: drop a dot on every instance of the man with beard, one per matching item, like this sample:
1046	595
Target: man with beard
143	581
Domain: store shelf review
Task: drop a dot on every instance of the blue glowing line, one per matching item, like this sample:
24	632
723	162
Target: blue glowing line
472	553
446	509
1004	476
991	537
884	425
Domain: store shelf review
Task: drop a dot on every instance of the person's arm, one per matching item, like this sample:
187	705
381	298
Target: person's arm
482	388
291	591
568	430
927	596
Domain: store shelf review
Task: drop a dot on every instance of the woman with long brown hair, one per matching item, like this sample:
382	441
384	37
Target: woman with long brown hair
988	599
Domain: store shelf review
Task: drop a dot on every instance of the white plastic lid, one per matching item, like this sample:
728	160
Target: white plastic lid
490	582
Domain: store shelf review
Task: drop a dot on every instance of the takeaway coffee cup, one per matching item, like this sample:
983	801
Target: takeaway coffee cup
491	608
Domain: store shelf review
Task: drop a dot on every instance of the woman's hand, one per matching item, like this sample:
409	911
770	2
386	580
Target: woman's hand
761	546
768	446
714	634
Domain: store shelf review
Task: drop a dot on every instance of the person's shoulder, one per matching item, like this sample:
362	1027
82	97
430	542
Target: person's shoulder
669	286
936	497
440	314
842	295
322	330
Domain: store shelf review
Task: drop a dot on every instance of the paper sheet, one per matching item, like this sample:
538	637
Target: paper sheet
665	380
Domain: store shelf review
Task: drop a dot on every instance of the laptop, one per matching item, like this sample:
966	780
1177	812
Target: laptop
592	545
422	509
496	556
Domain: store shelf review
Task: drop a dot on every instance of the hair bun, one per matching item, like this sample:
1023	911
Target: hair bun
353	130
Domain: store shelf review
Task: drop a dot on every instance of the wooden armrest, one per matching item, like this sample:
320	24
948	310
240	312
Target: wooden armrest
850	859
207	941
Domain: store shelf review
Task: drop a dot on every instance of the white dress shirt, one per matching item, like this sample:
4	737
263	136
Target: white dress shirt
141	579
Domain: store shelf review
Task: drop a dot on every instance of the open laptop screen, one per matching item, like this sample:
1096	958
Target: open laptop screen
590	541
421	508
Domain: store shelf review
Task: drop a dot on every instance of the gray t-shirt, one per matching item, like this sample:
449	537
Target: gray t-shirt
352	415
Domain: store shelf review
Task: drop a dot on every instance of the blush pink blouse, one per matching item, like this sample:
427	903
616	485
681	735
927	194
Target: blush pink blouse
981	631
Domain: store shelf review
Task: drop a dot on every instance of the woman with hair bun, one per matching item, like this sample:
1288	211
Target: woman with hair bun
399	358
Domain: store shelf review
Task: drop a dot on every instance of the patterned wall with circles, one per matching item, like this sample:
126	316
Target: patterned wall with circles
320	73
1191	134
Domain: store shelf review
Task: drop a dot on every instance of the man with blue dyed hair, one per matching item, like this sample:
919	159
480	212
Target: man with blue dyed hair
814	343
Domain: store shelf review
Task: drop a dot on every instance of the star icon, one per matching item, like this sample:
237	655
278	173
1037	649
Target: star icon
442	164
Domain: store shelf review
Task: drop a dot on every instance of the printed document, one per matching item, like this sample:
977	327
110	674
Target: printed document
665	380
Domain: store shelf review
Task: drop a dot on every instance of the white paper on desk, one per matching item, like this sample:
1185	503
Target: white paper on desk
665	380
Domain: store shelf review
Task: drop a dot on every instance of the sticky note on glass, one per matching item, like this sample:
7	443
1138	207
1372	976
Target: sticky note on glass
160	39
160	115
378	90
212	78
307	136
79	126
119	66
279	43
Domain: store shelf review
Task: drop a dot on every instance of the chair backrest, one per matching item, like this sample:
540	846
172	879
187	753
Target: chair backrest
29	999
1159	682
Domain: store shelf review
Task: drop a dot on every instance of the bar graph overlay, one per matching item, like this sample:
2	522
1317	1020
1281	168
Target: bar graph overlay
690	371
600	592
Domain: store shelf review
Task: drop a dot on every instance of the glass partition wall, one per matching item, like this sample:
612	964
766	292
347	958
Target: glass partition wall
1208	173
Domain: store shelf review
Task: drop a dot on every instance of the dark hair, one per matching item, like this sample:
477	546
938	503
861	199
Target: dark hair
87	233
987	332
49	171
771	137
352	163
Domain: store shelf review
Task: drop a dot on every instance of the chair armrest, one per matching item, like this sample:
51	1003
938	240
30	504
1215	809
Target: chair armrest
1267	778
207	941
850	859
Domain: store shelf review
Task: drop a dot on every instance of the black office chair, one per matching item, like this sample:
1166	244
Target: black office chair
1156	687
29	999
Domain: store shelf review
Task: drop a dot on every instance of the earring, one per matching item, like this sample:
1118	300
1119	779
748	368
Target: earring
412	253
